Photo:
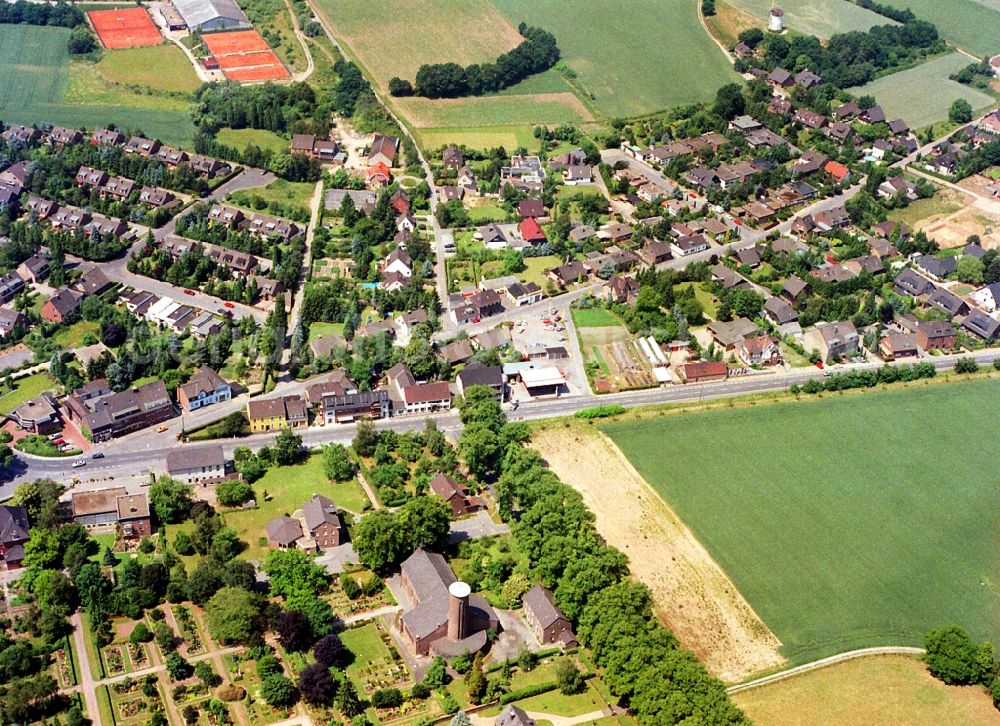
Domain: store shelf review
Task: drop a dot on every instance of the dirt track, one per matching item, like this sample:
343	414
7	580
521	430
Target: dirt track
694	597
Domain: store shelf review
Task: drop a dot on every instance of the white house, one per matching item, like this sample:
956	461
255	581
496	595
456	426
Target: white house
205	388
988	297
398	262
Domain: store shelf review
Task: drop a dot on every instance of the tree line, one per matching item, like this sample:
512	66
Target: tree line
536	53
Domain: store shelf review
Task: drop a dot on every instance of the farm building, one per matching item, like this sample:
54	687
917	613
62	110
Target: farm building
209	15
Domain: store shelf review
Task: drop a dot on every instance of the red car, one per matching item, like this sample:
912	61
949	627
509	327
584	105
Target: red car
189	292
228	305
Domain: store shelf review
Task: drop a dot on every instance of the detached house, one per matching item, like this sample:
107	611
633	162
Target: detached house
454	494
833	340
205	388
546	620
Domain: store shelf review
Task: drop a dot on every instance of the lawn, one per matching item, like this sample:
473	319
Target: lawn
24	389
535	269
881	690
594	318
709	303
923	94
45	86
488	213
282	197
821	18
549	108
969	24
242	138
318	329
658	34
72	337
848	522
284	489
162	68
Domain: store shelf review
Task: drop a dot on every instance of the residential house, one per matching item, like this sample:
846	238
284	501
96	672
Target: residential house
157	197
205	388
18	135
939	268
546	620
275	414
620	289
981	325
62	307
809	119
577	174
10	285
106	507
513	716
729	334
704	372
531	232
865	263
452	158
14	532
897	188
530	208
427	397
356	405
839	173
454	494
779	312
10	319
383	150
34	269
729	278
323	523
283	532
106	415
893	346
689	245
948	302
524	293
987	297
806	79
94	282
476	374
780	78
759	350
38	415
568	274
833	340
653	252
142	146
197	464
935	335
910	282
378	175
398	262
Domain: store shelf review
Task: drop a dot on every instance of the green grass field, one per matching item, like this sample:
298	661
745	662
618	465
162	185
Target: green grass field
72	337
594	318
288	487
847	522
159	67
289	195
509	136
923	94
24	389
43	85
550	108
821	18
629	55
969	24
242	138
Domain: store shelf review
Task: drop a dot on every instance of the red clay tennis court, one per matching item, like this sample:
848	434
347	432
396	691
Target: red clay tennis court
126	28
245	56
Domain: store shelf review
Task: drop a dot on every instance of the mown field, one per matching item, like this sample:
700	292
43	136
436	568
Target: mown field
635	57
923	94
876	691
552	108
846	522
43	85
821	18
159	67
970	24
242	138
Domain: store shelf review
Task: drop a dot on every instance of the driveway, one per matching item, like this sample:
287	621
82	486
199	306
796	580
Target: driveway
334	559
474	527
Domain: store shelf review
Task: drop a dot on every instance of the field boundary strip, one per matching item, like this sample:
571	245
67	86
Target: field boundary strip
823	663
125	28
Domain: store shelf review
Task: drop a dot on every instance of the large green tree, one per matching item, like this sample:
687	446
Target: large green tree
170	499
234	615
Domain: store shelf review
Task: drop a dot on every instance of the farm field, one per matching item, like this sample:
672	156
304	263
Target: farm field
43	85
242	138
162	68
846	522
508	136
922	95
729	21
592	34
877	691
821	18
969	24
486	111
418	32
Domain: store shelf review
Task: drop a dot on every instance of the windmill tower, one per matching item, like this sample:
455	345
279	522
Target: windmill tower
776	22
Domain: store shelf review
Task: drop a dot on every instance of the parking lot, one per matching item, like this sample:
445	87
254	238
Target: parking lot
532	335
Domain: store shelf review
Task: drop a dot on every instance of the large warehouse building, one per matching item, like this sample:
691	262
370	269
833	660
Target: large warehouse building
209	15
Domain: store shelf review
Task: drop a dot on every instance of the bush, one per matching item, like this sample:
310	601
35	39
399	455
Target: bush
349	585
231	693
600	411
951	655
140	634
996	364
233	492
387	698
568	677
420	690
462	663
528	692
966	365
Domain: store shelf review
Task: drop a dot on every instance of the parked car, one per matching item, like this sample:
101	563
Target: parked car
79	462
228	305
189	292
97	455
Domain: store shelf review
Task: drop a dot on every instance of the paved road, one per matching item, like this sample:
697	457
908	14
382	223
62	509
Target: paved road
822	663
125	460
86	681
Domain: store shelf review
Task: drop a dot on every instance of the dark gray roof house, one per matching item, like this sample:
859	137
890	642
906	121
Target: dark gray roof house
513	716
981	325
910	282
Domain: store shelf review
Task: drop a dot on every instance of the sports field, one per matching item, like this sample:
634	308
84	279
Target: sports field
923	94
245	56
970	24
125	28
846	522
821	18
879	691
635	57
395	37
42	85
